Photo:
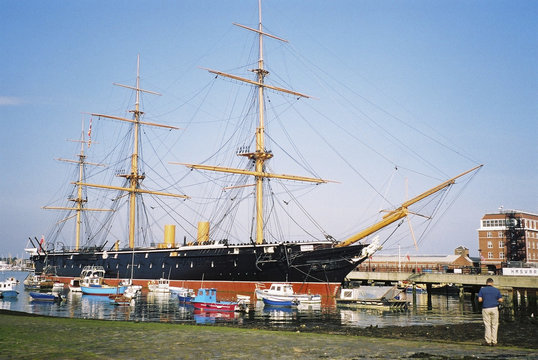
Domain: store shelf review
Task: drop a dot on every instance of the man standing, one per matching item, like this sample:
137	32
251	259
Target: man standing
490	297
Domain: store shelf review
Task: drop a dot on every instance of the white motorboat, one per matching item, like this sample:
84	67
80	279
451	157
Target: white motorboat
283	293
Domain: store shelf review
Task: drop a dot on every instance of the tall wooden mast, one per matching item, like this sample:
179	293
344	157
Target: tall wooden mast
134	177
260	155
79	200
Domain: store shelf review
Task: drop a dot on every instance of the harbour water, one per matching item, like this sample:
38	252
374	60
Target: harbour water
152	307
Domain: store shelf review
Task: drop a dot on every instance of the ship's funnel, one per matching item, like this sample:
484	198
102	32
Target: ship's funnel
203	232
169	236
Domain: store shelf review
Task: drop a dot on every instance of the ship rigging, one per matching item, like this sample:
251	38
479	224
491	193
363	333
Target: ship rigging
319	265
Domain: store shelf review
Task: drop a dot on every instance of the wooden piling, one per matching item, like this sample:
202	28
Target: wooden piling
429	291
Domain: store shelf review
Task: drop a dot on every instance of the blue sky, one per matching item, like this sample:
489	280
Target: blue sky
464	72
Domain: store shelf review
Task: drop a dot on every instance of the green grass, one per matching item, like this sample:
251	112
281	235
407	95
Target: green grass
24	336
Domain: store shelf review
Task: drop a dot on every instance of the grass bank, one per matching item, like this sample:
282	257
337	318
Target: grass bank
25	336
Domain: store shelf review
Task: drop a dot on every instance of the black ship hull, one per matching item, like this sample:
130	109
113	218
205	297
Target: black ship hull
231	267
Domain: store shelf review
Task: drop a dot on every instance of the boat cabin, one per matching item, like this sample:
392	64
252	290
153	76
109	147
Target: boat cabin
92	276
206	295
281	289
6	285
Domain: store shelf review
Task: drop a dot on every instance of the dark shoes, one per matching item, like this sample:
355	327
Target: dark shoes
488	344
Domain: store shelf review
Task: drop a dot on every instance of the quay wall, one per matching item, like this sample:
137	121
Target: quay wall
500	281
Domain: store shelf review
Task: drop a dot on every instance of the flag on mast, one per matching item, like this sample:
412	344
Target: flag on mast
90	134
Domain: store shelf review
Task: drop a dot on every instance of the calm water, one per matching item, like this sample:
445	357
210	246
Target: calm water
166	308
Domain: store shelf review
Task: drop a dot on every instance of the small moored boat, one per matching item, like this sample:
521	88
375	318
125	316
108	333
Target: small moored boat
275	301
185	295
89	275
7	290
37	282
92	283
163	286
46	296
206	299
282	294
103	290
374	297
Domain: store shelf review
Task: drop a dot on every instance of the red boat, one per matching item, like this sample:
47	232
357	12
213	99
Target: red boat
206	300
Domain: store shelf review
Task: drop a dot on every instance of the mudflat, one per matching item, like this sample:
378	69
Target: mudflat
27	336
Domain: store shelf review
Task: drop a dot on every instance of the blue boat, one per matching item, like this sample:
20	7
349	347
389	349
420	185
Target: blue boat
282	294
6	290
270	301
48	296
206	300
8	294
103	290
185	295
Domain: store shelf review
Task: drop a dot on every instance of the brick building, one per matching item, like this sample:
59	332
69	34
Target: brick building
508	236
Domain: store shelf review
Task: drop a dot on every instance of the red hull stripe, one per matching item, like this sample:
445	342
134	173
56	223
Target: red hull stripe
227	290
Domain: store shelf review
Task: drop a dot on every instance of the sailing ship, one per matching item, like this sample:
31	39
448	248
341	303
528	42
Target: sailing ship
317	266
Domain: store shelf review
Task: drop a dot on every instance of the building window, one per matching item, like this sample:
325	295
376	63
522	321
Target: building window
490	245
500	234
488	234
501	255
490	255
501	244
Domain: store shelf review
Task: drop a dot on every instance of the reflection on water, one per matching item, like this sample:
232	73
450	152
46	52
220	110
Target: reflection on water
213	317
5	304
166	308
